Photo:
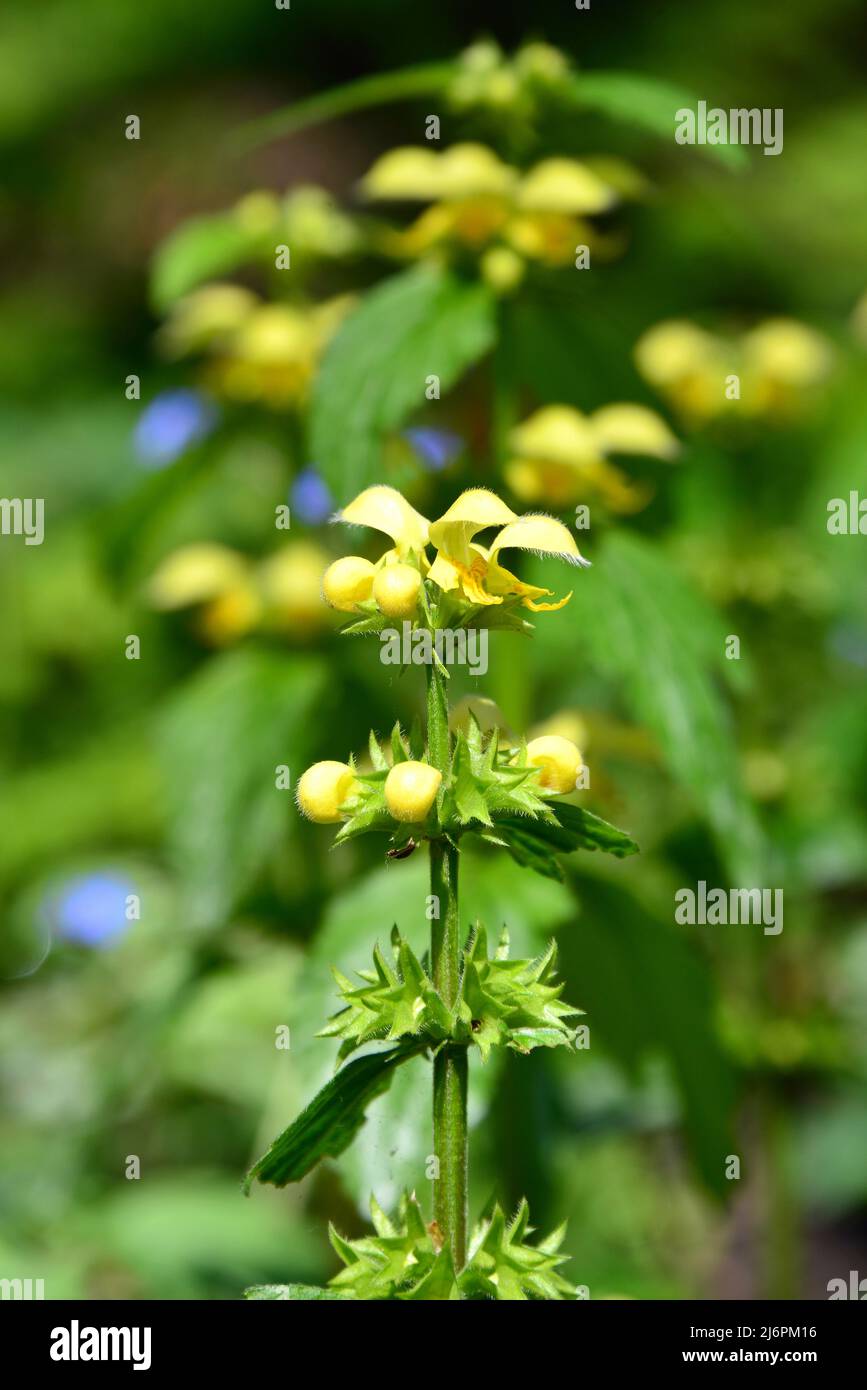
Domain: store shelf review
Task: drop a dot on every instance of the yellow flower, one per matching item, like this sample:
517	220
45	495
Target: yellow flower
559	761
462	565
766	372
206	317
395	590
257	351
291	585
477	200
348	582
214	580
323	789
559	453
410	790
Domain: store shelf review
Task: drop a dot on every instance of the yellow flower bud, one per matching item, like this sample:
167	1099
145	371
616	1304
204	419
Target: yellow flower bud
395	590
323	789
410	790
559	762
348	582
502	269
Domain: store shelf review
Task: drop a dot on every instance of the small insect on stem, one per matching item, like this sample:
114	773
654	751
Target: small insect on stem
403	851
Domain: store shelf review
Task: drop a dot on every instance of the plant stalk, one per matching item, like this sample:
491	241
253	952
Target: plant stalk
450	1063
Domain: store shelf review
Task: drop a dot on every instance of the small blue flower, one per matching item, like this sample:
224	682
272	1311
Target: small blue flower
91	909
436	449
309	498
171	423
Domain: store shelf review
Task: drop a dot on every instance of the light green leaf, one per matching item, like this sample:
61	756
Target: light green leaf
423	321
640	622
645	102
203	249
221	740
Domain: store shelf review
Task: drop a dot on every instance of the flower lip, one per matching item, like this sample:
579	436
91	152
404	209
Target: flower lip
385	509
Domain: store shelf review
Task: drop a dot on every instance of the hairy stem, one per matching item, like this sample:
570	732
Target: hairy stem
450	1064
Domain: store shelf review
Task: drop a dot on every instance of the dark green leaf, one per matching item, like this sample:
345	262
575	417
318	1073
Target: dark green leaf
331	1120
422	321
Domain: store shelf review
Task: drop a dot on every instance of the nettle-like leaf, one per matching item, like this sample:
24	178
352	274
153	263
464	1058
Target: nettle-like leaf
394	1001
501	1002
512	1003
502	1265
332	1119
537	843
405	1259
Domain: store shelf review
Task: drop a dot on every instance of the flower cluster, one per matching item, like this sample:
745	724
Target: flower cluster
777	365
563	455
230	596
467	571
479	206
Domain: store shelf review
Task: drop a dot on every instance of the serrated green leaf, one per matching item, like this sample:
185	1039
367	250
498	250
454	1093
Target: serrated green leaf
330	1121
422	321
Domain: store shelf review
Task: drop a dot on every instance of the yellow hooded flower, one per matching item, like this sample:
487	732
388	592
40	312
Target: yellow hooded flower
477	200
461	564
256	351
766	372
214	580
476	572
559	454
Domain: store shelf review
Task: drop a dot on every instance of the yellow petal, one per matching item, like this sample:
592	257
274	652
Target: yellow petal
464	171
675	349
788	351
194	574
542	534
473	511
385	509
557	433
564	185
633	429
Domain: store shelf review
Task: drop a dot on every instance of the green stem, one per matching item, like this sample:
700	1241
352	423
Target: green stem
450	1063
